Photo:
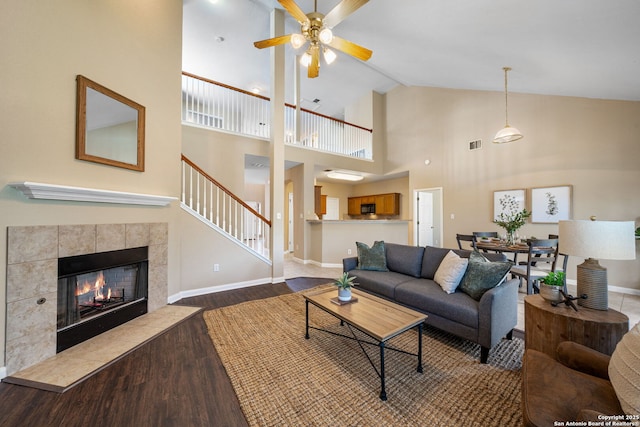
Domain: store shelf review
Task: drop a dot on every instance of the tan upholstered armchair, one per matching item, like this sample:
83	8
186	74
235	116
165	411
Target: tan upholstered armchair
573	387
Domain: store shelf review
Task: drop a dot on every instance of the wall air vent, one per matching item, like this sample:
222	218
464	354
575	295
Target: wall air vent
475	145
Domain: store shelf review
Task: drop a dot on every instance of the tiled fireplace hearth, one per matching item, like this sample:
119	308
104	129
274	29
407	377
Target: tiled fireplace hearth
32	278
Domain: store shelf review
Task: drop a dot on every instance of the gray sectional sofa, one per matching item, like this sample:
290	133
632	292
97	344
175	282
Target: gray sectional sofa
409	282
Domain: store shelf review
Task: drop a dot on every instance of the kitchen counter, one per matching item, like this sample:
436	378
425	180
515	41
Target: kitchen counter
331	241
351	221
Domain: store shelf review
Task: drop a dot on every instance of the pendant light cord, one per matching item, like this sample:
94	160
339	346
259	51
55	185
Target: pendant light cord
506	109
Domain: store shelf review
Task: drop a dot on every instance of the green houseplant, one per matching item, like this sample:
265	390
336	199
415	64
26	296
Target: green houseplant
511	219
551	285
344	284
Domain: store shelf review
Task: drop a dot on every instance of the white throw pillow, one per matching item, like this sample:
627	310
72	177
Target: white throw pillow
450	272
624	371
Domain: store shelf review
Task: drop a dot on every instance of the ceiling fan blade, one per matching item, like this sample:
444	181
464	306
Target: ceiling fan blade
294	10
272	42
314	66
350	48
341	11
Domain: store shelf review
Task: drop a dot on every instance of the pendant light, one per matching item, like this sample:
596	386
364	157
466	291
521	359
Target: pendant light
508	133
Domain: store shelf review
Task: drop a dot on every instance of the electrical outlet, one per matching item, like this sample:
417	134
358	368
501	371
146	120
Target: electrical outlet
348	251
216	267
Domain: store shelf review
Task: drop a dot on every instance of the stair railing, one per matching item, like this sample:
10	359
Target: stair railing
218	206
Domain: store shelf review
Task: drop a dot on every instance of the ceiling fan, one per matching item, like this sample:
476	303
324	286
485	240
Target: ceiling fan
315	28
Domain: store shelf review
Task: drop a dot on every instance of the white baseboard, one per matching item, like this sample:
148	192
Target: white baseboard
319	264
221	288
3	372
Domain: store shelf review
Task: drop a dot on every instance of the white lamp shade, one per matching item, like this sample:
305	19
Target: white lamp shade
329	56
598	239
297	40
507	134
305	59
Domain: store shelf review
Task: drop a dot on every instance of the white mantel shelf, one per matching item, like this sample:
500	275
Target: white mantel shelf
37	190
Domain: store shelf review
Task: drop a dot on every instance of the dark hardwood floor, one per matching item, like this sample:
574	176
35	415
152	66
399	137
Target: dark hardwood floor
177	379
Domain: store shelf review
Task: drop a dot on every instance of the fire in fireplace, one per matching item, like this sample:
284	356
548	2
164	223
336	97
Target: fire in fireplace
97	292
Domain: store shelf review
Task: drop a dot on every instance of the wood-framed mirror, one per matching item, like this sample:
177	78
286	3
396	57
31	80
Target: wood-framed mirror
109	127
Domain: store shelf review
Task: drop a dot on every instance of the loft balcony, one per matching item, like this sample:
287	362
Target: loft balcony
214	105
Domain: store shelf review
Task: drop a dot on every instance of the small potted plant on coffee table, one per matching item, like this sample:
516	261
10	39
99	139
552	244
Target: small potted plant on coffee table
344	284
551	285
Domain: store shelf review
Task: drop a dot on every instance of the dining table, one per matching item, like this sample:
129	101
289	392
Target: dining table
493	245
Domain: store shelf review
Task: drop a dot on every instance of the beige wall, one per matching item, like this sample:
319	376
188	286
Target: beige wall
133	48
592	145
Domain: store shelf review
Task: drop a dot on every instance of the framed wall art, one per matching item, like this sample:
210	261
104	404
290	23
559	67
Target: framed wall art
507	202
551	204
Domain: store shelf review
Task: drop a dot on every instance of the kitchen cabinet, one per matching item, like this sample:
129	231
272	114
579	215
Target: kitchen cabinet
320	201
354	206
386	204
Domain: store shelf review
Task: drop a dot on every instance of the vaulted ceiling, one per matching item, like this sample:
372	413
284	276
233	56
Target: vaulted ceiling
584	48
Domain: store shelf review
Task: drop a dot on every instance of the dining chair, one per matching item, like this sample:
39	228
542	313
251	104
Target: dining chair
541	259
565	260
480	234
466	238
485	233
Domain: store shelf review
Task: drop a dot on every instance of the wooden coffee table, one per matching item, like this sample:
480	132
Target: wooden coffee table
376	317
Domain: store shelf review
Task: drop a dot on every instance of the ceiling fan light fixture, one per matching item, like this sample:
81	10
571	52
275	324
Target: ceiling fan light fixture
297	40
305	59
325	36
508	133
329	55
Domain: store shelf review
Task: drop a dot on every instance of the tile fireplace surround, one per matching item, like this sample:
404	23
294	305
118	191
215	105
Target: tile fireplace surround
32	277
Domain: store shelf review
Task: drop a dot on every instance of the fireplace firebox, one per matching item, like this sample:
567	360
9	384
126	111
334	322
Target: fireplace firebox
99	291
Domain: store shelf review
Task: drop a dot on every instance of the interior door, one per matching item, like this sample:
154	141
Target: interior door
333	208
428	223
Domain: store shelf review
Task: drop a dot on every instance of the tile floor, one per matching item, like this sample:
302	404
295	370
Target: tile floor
625	303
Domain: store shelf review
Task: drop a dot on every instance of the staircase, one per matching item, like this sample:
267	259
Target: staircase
209	201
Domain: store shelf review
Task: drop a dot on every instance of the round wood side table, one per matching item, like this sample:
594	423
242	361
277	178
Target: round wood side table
545	326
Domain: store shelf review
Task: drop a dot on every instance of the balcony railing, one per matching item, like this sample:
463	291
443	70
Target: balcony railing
211	104
216	205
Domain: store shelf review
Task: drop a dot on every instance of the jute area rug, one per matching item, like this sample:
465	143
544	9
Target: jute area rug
283	379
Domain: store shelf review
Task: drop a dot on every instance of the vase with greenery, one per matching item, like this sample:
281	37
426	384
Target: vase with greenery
511	219
344	284
550	286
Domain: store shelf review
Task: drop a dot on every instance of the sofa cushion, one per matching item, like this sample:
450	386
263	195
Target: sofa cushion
426	295
624	373
379	282
450	272
433	257
483	275
404	259
372	258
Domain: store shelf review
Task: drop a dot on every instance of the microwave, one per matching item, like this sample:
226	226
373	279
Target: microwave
368	208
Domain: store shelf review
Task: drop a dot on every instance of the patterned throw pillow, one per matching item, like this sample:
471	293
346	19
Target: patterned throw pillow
483	275
623	371
372	258
450	272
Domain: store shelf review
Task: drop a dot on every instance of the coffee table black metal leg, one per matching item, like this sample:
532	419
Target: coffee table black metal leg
383	392
306	334
420	348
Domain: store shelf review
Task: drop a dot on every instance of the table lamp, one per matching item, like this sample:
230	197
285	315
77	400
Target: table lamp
595	240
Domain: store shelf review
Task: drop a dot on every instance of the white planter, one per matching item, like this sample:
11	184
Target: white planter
344	294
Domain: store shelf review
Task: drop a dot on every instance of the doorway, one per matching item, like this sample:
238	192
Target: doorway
428	217
290	225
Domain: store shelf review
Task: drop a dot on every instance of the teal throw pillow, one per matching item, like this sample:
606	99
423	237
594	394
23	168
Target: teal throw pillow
483	275
372	258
